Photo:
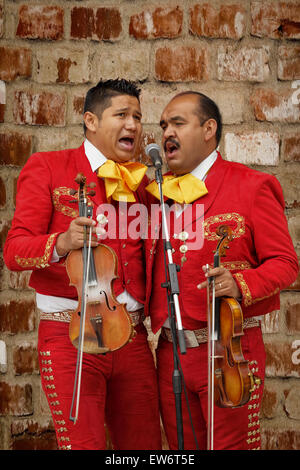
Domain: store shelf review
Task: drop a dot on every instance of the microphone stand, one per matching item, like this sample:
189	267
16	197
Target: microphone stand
172	287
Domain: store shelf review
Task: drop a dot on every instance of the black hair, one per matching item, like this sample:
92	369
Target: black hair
207	109
98	98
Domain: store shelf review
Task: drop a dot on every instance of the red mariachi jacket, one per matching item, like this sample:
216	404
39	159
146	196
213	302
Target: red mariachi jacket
44	210
261	256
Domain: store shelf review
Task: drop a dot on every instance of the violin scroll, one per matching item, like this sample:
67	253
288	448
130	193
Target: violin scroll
225	233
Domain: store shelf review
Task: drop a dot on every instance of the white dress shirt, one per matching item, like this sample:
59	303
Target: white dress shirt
50	304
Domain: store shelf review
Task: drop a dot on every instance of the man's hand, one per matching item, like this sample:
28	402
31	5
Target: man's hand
225	284
73	238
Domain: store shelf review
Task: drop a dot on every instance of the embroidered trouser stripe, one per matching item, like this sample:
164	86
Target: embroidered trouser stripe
118	388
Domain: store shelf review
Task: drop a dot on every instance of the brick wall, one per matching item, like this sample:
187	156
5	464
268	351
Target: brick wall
244	54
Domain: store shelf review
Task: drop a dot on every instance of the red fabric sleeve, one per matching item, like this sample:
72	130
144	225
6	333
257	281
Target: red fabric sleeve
277	260
29	245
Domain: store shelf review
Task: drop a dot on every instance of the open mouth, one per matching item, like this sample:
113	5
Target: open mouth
171	148
127	143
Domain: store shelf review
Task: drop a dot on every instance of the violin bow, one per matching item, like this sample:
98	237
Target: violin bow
213	322
84	211
211	360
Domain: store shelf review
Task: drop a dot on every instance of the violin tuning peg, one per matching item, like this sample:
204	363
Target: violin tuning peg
73	192
91	193
92	185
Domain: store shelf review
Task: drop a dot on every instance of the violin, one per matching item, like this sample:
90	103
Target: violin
100	324
107	325
230	381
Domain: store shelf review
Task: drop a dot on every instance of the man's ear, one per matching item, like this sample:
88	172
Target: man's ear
91	121
210	129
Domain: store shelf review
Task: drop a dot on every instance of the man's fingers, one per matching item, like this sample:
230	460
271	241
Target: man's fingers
84	221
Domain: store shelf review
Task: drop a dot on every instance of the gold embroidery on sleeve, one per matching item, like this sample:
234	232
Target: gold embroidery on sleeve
40	261
245	289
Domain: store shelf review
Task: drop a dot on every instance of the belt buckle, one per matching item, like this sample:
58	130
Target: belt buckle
190	339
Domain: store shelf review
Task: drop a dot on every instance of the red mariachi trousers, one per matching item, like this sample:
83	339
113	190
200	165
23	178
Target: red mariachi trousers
119	389
234	429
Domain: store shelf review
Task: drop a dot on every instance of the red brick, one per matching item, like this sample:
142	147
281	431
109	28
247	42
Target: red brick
270	105
15	400
2	193
1	20
78	104
40	22
101	24
181	64
291	147
288	62
227	21
279	439
108	24
147	138
32	435
2	270
275	20
161	23
82	23
14	62
25	358
43	108
17	316
14	149
4	228
293	318
280	359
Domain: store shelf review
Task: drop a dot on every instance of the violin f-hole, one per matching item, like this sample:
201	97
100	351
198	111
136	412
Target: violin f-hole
112	309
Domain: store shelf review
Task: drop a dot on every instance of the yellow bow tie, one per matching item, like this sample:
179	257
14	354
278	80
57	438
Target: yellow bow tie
182	189
121	179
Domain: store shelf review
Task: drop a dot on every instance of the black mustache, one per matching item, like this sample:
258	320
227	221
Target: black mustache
172	141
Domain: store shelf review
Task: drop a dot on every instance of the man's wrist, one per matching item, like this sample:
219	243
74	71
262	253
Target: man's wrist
60	246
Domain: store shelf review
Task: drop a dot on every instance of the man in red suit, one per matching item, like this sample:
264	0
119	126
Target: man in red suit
119	388
259	263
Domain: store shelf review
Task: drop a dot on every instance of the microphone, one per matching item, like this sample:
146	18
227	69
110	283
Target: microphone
153	151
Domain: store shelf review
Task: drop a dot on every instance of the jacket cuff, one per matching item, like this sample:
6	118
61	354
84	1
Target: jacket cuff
39	261
244	288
